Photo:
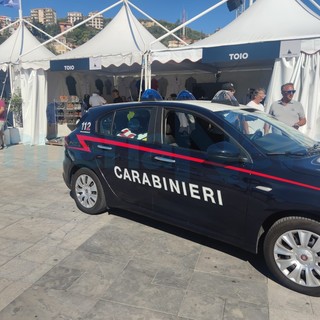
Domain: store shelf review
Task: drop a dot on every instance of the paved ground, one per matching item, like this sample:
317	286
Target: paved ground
58	263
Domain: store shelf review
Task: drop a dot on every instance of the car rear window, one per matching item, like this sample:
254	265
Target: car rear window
127	123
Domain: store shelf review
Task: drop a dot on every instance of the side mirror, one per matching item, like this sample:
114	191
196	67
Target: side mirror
225	151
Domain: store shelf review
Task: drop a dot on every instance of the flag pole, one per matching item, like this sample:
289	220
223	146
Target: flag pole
20	11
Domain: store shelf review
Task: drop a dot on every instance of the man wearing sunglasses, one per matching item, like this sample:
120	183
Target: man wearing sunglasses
288	110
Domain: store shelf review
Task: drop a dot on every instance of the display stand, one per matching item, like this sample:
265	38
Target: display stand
63	118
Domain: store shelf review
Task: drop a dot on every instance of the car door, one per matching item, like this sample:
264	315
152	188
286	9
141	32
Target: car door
122	156
206	195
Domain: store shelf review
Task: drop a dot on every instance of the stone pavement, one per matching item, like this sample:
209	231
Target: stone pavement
59	263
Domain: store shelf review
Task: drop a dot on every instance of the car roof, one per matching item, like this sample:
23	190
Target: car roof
204	104
207	104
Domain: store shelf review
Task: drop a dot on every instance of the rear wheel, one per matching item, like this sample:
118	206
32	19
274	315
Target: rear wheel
87	192
292	253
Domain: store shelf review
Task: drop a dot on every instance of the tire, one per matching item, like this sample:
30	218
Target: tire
292	254
87	192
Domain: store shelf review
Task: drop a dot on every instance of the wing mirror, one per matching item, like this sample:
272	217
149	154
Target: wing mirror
225	151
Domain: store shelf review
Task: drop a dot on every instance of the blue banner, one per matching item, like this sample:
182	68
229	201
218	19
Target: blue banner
247	52
10	3
70	65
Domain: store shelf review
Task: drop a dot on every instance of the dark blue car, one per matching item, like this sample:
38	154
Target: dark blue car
228	172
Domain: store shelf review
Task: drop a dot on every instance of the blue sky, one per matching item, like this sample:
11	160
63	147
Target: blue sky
169	10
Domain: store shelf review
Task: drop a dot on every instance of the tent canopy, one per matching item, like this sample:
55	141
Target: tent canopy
18	48
261	29
267	20
122	42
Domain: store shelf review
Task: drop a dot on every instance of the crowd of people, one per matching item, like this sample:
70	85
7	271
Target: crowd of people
286	109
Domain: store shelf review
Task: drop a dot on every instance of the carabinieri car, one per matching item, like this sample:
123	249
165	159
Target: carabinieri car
228	172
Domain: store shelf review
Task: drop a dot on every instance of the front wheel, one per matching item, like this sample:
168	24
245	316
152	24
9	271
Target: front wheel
292	253
87	192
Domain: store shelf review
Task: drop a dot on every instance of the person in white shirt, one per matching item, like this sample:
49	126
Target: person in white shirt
258	96
96	100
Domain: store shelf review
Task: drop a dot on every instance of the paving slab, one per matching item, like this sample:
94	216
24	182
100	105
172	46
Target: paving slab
59	263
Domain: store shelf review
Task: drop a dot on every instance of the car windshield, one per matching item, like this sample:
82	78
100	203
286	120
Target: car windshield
268	134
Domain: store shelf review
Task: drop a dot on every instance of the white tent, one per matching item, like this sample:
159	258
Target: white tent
267	20
115	52
263	21
271	39
27	71
122	41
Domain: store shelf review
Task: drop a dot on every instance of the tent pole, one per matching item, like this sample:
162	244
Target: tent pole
141	77
156	22
189	21
20	10
74	27
47	34
9	25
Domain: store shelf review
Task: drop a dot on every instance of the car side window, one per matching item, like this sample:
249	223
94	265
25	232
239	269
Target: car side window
105	124
205	134
190	131
130	123
177	127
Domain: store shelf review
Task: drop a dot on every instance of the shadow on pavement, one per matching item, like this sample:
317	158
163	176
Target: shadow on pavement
256	260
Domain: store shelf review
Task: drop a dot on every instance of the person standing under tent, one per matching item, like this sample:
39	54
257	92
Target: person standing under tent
3	119
257	97
252	126
226	95
96	100
116	96
287	110
85	106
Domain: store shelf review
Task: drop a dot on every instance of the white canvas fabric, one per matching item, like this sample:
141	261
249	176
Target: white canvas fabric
122	42
27	61
264	20
267	20
19	49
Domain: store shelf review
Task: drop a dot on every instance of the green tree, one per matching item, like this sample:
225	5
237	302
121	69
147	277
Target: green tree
81	35
38	34
4	36
52	29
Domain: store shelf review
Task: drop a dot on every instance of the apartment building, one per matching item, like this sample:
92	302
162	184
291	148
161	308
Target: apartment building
96	22
73	17
4	21
147	23
44	15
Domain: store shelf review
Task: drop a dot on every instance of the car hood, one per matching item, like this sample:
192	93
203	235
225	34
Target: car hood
309	166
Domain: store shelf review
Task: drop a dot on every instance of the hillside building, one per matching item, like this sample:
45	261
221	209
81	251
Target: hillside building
45	16
74	17
96	22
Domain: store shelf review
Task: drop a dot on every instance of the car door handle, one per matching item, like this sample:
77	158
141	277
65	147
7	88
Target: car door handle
100	146
163	159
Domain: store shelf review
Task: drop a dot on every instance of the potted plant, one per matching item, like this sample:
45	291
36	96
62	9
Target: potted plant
16	108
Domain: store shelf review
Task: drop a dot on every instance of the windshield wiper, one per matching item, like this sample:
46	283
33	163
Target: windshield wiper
314	149
316	146
288	153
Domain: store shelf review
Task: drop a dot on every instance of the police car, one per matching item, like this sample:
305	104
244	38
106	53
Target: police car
228	172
